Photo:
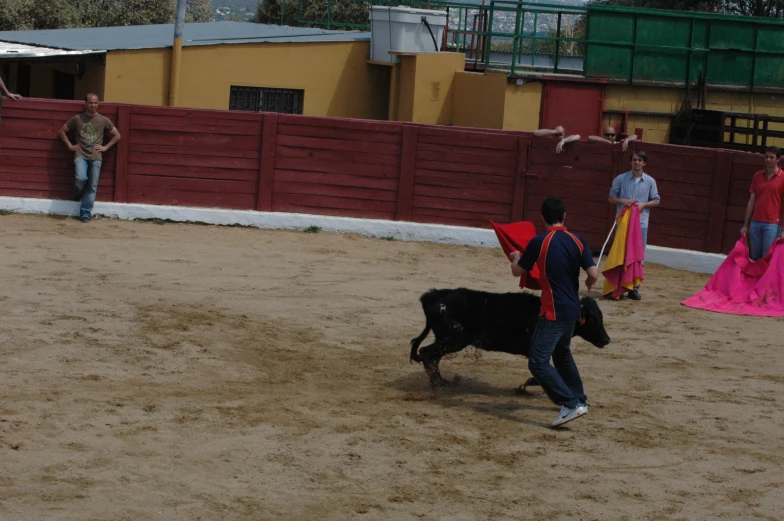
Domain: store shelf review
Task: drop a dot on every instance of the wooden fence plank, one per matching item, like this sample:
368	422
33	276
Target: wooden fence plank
338	144
196	151
340	133
357	170
310	177
231	115
121	159
316	202
718	204
493	160
470	140
469	168
204	141
238	129
518	196
408	161
267	146
347	123
191	160
473	194
195	172
345	156
447	150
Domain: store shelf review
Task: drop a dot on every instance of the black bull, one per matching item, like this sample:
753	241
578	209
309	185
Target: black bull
501	322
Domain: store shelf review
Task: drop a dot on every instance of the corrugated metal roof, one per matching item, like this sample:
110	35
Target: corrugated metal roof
158	36
20	50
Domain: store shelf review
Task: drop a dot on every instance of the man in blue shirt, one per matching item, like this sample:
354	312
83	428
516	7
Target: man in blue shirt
559	256
635	187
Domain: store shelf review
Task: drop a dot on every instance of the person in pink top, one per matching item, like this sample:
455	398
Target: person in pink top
764	210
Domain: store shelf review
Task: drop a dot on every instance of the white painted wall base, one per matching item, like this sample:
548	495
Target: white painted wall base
404	231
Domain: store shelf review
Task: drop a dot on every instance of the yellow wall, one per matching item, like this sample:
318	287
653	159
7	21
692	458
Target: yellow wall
140	76
656	129
405	81
523	105
426	87
334	75
479	100
490	101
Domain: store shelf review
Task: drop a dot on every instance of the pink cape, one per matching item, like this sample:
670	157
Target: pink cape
515	237
744	287
623	269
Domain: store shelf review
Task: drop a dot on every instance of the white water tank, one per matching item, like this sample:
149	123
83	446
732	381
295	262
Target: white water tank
403	29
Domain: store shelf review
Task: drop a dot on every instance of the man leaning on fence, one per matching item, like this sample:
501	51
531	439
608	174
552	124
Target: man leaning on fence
5	92
89	128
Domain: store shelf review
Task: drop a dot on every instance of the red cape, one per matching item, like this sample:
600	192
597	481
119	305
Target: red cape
515	237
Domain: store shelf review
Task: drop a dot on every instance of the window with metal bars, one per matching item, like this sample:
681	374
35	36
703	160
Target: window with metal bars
263	99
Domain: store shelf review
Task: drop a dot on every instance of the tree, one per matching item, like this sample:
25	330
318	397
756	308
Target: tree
269	12
316	13
764	8
56	14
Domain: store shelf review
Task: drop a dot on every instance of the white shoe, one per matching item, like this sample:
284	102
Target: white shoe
566	415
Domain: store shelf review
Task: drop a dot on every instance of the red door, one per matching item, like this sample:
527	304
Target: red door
577	107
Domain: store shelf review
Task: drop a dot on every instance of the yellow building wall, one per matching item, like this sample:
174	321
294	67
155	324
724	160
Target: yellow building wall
404	89
335	76
523	106
423	87
656	129
479	100
434	87
490	101
139	76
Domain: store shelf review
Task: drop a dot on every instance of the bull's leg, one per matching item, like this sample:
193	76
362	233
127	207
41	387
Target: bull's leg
522	388
430	356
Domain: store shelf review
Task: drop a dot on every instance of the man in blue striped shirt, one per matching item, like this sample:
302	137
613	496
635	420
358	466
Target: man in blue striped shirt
635	187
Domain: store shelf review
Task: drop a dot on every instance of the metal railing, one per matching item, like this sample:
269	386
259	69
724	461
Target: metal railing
518	36
500	34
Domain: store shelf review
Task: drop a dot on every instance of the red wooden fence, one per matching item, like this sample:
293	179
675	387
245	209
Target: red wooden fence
385	170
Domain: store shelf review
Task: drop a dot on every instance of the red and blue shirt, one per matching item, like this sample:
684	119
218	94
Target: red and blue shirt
559	255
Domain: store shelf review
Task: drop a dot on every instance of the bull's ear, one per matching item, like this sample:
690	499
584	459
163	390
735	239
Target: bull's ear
581	321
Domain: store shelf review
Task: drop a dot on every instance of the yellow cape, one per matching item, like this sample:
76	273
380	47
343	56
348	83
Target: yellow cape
617	256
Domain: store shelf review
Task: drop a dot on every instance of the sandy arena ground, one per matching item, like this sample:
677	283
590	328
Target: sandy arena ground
187	372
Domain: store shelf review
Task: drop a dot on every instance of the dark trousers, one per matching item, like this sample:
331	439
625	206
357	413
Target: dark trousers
562	383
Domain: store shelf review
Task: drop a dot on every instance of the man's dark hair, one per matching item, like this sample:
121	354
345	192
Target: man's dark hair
553	210
775	150
639	153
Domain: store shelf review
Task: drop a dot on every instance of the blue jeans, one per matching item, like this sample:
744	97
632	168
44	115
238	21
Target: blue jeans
552	339
761	238
87	173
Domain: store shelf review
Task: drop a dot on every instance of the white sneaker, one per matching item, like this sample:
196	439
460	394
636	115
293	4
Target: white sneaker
566	415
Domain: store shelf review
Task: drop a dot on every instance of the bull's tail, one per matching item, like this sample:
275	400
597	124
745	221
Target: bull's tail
416	342
429	301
